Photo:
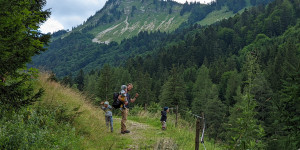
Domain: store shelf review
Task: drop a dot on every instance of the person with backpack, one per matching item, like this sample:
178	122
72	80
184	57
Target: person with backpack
108	114
125	107
163	118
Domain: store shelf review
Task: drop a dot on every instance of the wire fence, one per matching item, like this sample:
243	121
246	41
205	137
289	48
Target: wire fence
198	118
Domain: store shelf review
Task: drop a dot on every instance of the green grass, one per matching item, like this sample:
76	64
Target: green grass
219	15
140	20
149	15
87	125
183	135
216	16
90	124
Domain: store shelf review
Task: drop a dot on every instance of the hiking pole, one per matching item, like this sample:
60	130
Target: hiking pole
197	134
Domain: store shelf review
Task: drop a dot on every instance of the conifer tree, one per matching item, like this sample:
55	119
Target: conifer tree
243	129
80	80
172	92
202	90
287	120
105	82
19	41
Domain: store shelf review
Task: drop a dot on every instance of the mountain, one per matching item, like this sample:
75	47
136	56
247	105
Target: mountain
243	73
128	28
123	19
120	19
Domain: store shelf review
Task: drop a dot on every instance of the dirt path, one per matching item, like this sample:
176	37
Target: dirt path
138	133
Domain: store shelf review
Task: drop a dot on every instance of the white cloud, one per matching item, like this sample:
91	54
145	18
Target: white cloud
71	13
51	25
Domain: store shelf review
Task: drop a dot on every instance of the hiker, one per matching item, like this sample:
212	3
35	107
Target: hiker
108	114
125	107
163	118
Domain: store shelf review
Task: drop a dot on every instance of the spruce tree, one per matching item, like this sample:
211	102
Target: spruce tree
172	92
79	80
19	41
243	129
105	83
143	87
202	90
287	120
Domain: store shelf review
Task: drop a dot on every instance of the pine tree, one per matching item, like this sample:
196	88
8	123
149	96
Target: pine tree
120	77
79	80
263	94
90	84
172	92
19	41
243	129
206	99
202	90
67	80
214	111
105	83
144	85
287	119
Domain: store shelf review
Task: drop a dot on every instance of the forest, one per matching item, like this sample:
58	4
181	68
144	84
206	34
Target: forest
69	52
243	73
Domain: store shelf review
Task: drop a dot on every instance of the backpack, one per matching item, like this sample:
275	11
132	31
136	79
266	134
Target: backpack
116	103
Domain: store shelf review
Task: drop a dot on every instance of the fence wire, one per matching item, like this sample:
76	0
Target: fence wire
198	117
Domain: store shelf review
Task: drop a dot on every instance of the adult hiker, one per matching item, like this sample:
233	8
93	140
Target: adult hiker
125	108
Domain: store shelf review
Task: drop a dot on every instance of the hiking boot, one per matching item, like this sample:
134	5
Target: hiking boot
127	131
122	132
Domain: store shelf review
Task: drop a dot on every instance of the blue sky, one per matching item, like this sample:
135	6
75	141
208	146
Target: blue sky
66	14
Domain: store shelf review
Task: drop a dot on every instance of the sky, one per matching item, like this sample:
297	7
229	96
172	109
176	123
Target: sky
66	14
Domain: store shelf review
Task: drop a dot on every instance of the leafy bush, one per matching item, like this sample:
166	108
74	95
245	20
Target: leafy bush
39	127
136	110
154	107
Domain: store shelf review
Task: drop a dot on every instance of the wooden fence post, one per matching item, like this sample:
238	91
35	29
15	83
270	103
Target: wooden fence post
145	107
203	127
197	134
176	116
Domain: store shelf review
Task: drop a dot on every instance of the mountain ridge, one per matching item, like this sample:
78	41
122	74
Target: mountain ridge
79	49
120	19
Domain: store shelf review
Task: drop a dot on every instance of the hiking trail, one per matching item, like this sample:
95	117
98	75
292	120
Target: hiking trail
139	138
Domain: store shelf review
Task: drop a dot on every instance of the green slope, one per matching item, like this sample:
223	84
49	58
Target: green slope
123	19
130	21
129	17
89	124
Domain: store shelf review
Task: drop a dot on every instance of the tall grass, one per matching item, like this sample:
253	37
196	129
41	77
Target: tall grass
183	135
66	119
38	126
89	124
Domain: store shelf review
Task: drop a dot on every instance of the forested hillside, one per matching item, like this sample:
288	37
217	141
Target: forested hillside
71	51
243	73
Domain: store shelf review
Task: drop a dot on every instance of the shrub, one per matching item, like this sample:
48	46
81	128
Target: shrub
136	110
38	127
154	107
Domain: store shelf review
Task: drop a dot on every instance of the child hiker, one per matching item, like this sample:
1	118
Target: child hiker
163	118
123	95
108	114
